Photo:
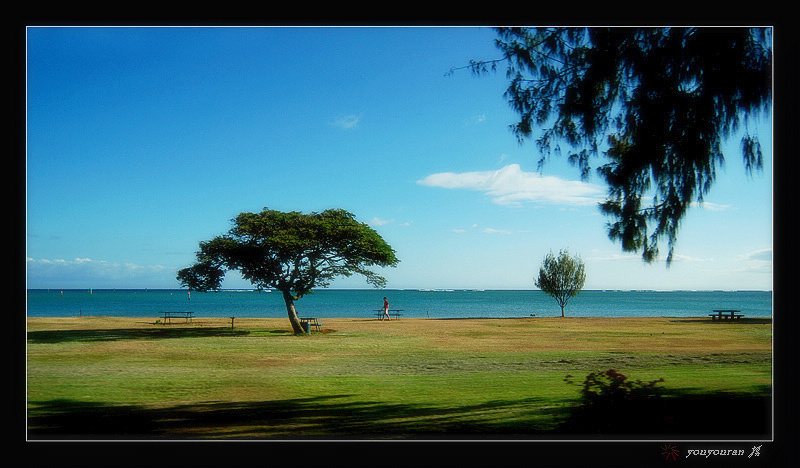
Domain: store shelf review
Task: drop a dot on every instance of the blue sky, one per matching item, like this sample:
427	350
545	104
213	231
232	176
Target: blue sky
143	141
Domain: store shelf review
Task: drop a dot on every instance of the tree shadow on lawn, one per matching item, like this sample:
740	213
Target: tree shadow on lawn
327	417
742	321
67	336
679	416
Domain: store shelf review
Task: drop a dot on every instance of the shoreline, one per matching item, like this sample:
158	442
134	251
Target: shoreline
652	334
361	303
532	317
403	325
425	290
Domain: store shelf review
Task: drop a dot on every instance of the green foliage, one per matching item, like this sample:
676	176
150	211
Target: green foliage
291	252
661	99
561	277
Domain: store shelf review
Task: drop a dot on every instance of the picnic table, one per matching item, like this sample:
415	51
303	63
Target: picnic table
169	314
723	314
395	312
312	322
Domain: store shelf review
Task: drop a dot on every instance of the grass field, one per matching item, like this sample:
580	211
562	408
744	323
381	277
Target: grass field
131	378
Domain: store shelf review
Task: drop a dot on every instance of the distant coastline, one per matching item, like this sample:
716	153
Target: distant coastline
401	289
345	303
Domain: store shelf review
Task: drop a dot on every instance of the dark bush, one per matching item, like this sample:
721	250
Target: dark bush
614	406
611	403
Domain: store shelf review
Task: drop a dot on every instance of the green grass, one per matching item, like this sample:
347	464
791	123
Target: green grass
122	378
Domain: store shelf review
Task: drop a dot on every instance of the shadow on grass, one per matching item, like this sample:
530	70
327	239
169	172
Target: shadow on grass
66	336
677	415
328	417
744	320
674	416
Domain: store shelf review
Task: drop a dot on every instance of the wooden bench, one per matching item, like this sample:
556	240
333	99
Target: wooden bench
395	312
312	321
725	314
177	314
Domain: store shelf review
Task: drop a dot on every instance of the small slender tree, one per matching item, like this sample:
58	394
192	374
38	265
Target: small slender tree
561	277
292	253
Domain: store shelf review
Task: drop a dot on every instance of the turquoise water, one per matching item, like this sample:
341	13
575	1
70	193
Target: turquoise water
415	303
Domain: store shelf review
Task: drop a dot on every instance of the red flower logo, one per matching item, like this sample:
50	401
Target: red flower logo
670	452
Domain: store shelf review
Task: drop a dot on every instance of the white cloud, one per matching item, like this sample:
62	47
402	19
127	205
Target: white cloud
710	206
512	186
686	258
758	261
487	230
85	272
379	222
637	257
346	121
763	255
474	120
613	257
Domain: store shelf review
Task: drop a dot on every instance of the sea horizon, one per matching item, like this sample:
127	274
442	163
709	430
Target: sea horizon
398	289
432	303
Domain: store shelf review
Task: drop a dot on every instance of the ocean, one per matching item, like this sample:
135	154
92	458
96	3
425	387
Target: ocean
363	303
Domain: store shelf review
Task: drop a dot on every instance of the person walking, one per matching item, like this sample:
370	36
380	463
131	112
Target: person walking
385	309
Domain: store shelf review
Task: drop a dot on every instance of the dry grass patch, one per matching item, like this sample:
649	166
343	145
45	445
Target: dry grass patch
205	379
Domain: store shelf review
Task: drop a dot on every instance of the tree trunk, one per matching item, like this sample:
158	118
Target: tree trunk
297	328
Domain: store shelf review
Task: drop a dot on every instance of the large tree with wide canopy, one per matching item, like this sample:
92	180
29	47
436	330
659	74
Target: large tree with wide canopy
292	253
